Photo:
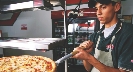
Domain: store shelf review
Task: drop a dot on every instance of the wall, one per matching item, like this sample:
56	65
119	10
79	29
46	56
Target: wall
38	22
127	8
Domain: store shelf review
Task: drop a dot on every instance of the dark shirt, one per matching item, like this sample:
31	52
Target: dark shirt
121	45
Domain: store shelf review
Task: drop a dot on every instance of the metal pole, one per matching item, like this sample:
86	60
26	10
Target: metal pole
65	29
65	32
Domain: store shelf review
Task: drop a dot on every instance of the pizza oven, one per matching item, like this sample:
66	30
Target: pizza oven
14	46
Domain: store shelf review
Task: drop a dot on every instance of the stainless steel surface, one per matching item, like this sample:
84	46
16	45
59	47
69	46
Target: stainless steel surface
65	27
17	52
32	43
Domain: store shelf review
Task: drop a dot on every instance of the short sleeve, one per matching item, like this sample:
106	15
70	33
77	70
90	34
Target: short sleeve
125	60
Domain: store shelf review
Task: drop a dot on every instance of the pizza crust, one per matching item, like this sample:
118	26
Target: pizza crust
53	64
27	63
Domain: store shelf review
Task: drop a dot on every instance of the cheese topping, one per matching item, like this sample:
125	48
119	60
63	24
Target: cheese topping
25	63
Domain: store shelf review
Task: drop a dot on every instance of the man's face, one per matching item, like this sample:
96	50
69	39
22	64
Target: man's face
105	13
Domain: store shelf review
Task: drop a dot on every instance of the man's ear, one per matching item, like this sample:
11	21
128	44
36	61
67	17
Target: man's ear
117	6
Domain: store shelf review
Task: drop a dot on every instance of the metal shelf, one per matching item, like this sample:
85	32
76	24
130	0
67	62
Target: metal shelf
32	43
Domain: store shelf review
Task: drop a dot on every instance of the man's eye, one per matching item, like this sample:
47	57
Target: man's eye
103	7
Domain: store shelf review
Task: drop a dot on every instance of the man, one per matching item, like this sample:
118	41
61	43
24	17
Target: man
112	49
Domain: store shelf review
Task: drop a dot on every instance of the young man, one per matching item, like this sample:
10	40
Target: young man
112	49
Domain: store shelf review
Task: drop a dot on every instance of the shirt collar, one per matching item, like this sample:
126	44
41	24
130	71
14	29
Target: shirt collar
115	29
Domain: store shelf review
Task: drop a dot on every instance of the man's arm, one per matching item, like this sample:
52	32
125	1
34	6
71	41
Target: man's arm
101	67
87	65
88	48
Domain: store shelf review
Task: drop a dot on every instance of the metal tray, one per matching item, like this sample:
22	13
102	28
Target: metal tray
31	43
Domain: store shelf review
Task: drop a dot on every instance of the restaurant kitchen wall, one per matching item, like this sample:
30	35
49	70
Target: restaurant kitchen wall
38	24
127	8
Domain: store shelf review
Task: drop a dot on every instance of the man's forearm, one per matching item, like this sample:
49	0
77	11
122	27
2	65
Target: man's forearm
87	65
101	67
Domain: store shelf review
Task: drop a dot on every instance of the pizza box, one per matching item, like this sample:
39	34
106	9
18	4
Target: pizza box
31	43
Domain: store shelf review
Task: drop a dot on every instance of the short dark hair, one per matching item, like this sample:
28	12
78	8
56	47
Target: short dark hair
113	3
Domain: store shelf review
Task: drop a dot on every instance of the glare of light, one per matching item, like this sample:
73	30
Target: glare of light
21	5
71	26
55	3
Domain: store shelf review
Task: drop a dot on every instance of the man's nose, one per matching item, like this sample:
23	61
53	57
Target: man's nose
99	12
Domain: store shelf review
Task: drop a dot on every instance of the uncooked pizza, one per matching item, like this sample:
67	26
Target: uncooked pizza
27	63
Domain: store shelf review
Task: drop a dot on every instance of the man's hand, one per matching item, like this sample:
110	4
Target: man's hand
83	49
82	55
87	46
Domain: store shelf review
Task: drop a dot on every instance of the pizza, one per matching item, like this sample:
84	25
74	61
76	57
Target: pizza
27	63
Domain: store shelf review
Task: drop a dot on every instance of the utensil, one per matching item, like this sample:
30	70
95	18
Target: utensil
65	57
71	54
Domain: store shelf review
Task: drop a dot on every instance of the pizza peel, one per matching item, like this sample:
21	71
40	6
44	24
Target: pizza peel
71	54
65	57
56	63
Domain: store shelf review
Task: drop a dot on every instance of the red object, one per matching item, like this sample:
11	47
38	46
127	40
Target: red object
86	25
110	46
0	33
68	2
38	2
11	21
43	50
87	12
24	27
132	61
